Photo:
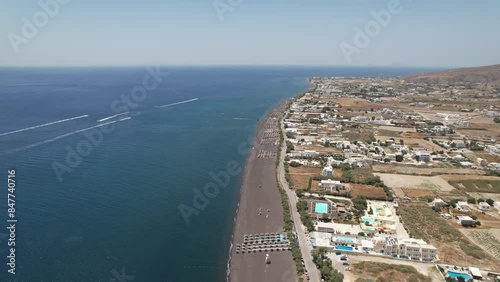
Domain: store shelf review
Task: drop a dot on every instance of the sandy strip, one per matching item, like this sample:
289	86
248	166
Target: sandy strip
259	190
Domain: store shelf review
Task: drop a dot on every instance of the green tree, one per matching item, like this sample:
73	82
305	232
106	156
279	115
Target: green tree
325	217
399	158
372	137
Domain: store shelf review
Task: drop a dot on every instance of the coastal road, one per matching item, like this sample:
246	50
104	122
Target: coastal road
292	197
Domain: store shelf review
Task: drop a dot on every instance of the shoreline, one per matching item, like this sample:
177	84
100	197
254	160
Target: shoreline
259	208
260	128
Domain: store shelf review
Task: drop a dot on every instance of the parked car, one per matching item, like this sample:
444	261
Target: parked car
338	253
345	263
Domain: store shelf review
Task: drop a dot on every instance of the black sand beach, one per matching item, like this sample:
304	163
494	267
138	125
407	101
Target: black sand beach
259	193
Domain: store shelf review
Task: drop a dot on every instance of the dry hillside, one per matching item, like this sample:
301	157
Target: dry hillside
487	74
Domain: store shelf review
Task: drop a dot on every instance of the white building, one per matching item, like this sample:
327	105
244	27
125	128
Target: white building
305	153
360	119
481	162
493	149
423	156
463	206
459	144
333	185
484	206
465	220
438	203
466	164
327	171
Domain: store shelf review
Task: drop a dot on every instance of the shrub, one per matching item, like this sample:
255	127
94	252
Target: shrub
471	200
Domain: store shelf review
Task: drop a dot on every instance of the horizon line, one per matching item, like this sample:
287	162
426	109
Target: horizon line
237	65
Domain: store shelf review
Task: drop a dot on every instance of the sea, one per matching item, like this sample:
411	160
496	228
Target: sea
110	166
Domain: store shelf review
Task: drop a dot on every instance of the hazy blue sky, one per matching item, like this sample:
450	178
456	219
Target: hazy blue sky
264	32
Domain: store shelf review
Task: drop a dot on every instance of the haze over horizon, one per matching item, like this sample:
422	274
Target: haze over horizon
206	32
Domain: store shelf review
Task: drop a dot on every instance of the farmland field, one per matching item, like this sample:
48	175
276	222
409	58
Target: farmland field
489	240
453	247
378	271
412	170
477	185
419	193
369	191
415	182
300	176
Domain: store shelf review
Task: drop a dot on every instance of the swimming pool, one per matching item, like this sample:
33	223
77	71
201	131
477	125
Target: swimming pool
455	275
344	248
368	219
321	208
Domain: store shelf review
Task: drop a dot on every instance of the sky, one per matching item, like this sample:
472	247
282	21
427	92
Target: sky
423	33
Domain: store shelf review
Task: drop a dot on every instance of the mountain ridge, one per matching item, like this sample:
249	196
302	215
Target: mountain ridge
486	74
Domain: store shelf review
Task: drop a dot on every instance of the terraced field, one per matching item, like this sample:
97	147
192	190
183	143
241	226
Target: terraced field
489	240
477	185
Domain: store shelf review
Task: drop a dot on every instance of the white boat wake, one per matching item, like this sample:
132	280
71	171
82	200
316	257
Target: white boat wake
42	125
110	117
65	135
178	103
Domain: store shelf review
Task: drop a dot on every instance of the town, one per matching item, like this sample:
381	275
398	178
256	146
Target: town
396	177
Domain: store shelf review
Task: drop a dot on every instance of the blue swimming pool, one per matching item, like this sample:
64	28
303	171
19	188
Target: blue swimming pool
344	248
455	275
321	208
368	219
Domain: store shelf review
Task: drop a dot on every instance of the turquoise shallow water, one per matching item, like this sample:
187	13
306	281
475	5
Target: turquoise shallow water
116	214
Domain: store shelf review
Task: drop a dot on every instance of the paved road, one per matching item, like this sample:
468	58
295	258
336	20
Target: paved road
305	247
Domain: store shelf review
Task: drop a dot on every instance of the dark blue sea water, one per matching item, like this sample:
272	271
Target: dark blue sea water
112	215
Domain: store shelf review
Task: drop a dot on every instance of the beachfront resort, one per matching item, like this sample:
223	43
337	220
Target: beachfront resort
379	218
380	175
